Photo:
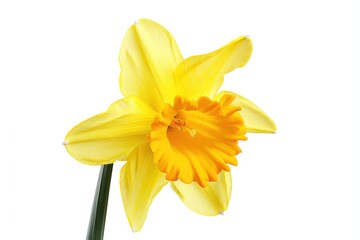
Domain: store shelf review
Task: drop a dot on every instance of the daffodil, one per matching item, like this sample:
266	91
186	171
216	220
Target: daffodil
172	126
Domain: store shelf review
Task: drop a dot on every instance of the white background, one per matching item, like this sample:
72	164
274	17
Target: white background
58	66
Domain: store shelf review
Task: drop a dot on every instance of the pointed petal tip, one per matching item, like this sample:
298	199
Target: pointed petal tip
134	230
65	143
256	120
247	36
221	213
273	129
263	131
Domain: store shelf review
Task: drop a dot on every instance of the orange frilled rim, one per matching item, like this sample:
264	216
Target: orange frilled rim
195	140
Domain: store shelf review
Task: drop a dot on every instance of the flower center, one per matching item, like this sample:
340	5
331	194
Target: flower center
195	140
180	125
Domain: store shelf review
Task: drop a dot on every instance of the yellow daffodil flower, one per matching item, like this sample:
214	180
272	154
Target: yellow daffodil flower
172	124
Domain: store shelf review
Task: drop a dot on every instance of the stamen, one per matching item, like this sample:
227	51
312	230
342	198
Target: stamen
180	125
192	132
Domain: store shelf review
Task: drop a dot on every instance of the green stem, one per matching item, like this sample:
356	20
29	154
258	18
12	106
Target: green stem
98	212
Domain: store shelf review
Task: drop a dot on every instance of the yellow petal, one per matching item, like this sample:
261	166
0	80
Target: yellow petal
140	181
111	135
211	200
148	58
203	75
254	118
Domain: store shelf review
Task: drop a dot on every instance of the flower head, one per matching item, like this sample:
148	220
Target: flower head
172	124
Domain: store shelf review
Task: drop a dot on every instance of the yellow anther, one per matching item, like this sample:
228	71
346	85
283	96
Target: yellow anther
180	125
